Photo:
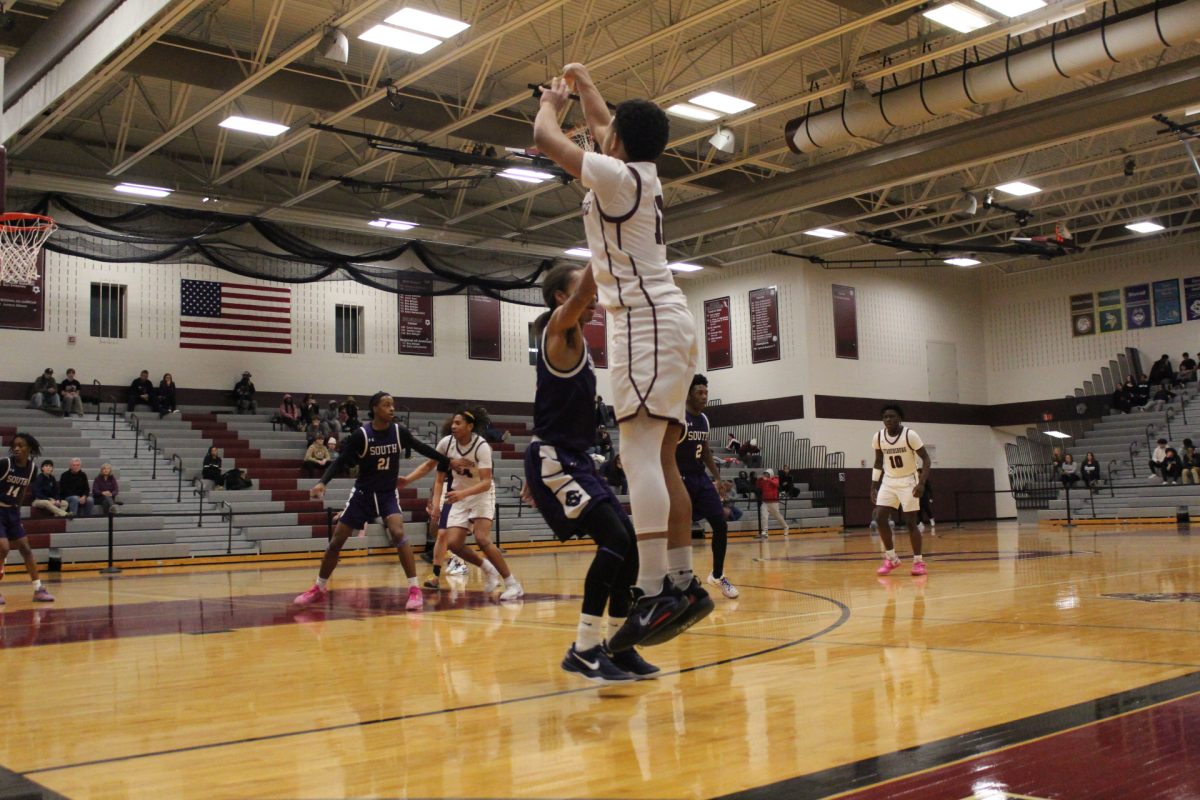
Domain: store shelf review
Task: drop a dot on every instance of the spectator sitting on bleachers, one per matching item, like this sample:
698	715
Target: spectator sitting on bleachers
211	471
614	474
166	396
243	395
350	407
742	485
734	446
1068	471
106	491
316	458
44	392
288	413
732	512
329	421
603	446
46	493
1156	459
1172	467
68	391
1122	397
750	454
75	489
786	483
1163	396
490	433
310	407
1187	369
1191	463
141	390
1090	469
1161	371
312	429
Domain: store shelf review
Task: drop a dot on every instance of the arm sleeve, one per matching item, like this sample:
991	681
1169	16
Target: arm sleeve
347	455
407	440
612	181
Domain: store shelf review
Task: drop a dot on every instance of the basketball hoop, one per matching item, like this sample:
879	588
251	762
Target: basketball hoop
21	238
582	137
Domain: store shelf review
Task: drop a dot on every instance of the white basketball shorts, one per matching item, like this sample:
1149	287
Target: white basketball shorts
653	360
477	506
898	493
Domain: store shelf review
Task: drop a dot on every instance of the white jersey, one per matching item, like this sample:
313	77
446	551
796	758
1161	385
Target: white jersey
477	452
622	215
899	452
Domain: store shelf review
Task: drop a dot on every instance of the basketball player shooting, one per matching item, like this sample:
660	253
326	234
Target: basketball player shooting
654	352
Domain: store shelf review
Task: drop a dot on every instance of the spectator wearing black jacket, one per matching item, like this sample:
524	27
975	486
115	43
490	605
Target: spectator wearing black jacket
1161	371
46	493
787	484
1191	462
1172	467
1187	369
166	396
76	489
243	395
211	471
1090	470
69	391
141	392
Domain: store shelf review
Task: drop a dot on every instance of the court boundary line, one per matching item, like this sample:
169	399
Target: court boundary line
842	619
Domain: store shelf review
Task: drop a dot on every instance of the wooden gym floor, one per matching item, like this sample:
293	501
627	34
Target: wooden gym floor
1029	663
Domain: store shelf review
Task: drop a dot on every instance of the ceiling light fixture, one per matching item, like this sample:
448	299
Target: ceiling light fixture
1013	8
724	103
578	252
826	233
723	140
1057	434
392	224
335	46
1191	111
958	17
682	266
965	205
424	22
526	175
261	127
141	189
1144	227
1018	188
693	112
963	261
397	39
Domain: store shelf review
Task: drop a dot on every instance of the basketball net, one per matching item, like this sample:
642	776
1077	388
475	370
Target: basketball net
582	137
21	239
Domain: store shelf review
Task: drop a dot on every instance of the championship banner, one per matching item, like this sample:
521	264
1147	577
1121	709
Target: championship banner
718	346
22	307
595	333
845	322
1083	314
1137	306
764	325
483	327
1191	297
1111	316
414	318
1166	302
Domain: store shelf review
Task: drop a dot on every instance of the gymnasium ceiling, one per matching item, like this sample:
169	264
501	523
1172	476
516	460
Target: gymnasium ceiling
148	113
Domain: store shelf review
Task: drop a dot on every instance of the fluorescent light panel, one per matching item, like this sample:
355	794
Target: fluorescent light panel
526	175
578	252
1192	110
141	189
963	262
1144	227
722	102
826	233
424	22
1057	434
693	112
1018	189
395	38
681	266
959	17
261	127
1013	8
392	224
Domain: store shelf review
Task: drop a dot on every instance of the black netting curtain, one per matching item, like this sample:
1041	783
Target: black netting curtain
258	248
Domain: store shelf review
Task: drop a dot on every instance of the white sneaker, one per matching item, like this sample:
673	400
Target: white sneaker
457	566
492	580
727	588
920	527
514	592
763	535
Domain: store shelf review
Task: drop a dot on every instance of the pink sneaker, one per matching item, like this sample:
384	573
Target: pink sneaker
43	596
919	568
416	600
887	567
313	596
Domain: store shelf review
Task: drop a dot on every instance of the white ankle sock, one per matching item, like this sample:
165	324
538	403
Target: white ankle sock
890	555
918	559
679	566
37	585
414	581
510	581
322	582
652	560
589	632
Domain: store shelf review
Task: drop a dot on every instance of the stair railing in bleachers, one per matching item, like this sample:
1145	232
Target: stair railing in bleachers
99	389
431	431
1112	477
1170	416
152	446
177	466
1134	446
228	514
403	414
135	425
1149	433
113	409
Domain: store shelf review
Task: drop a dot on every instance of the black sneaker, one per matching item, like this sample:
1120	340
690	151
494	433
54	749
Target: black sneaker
632	662
649	614
700	605
595	665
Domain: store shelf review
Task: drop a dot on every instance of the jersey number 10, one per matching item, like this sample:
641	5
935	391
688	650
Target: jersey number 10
896	461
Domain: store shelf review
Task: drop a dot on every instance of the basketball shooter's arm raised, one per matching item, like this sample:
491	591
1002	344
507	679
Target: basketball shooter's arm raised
595	110
548	136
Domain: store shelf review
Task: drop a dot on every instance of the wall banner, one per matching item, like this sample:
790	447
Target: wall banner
845	322
1083	314
1112	316
1191	297
1166	302
483	327
718	345
764	325
414	318
1137	306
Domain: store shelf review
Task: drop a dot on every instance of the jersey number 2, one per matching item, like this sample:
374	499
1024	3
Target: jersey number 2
382	465
896	461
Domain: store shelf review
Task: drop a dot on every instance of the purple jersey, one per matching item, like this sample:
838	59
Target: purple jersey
564	407
378	455
13	481
689	453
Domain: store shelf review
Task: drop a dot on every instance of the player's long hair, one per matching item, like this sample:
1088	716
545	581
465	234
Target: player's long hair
35	449
556	280
477	416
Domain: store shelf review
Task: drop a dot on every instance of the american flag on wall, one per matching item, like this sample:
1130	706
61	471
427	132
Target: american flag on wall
235	316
